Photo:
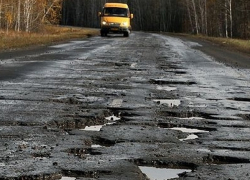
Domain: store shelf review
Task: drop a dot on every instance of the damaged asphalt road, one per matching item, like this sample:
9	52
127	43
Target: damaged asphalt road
104	108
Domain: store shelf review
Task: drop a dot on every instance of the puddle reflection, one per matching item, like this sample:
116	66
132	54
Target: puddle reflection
161	173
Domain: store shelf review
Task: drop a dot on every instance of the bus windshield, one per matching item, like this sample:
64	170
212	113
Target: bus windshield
113	11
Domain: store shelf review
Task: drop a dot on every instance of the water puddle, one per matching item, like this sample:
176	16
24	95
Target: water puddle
190	137
93	128
162	173
112	119
133	65
168	102
189	130
68	178
96	146
193	118
166	88
116	103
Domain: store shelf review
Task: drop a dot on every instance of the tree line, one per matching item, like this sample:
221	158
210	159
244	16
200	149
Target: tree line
28	15
221	18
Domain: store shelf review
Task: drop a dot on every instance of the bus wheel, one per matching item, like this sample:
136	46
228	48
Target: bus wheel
126	34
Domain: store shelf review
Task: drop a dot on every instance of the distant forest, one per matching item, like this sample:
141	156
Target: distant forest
220	18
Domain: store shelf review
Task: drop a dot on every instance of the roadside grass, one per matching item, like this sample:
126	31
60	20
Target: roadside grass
236	44
47	36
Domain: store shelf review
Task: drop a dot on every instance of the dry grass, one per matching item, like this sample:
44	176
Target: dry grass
48	35
236	44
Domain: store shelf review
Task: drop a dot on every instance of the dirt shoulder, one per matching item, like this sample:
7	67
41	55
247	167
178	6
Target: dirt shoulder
225	54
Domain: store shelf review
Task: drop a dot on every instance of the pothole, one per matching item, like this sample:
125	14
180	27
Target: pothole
192	131
90	151
189	130
77	99
103	142
111	120
154	173
185	114
240	99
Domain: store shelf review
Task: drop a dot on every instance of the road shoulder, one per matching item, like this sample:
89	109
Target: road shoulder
226	55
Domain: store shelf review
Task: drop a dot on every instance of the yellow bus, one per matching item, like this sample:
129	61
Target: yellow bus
115	18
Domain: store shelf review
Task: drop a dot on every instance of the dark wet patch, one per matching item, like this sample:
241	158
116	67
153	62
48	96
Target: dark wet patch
169	66
104	142
122	64
185	114
85	174
42	154
55	176
245	116
215	159
240	99
92	151
80	120
165	81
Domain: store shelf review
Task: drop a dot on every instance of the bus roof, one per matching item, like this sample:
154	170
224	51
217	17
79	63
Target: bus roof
120	5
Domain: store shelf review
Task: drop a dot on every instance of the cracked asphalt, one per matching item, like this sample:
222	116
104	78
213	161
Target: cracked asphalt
101	108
